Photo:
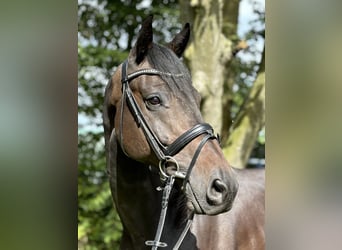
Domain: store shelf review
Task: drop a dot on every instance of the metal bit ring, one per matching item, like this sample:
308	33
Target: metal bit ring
163	163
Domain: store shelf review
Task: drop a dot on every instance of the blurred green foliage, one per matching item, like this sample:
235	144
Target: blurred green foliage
99	226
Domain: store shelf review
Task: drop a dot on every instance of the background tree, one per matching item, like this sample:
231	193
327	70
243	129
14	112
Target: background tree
107	30
210	57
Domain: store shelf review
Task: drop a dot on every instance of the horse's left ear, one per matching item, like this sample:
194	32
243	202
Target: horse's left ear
178	44
144	41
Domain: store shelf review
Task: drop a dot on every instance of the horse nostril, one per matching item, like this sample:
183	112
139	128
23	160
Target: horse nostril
219	186
217	192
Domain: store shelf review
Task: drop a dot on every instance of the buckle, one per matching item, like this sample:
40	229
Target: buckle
155	243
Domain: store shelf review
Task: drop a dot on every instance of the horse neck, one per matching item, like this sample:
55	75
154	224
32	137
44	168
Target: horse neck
135	195
139	203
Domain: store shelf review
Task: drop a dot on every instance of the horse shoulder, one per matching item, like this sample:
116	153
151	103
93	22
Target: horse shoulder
249	210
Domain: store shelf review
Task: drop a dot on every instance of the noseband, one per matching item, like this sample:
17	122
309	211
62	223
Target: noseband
163	152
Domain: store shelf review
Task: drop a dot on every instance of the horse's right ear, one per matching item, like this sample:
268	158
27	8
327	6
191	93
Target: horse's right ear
178	44
144	41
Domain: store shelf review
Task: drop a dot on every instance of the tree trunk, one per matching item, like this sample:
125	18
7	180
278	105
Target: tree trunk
207	55
230	22
250	120
214	26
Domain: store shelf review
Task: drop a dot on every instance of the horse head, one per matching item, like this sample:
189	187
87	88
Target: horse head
153	112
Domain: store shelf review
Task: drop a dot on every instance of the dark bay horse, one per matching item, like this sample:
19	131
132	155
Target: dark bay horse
165	165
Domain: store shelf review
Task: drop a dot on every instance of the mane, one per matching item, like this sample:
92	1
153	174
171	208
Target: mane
165	60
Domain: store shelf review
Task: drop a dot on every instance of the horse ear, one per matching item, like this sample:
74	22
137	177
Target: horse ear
178	44
145	39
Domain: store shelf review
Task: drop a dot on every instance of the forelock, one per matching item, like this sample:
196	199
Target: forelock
165	60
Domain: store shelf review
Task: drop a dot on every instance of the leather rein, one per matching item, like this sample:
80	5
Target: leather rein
164	153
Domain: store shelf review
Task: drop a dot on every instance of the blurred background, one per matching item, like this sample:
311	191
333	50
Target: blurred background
40	54
226	59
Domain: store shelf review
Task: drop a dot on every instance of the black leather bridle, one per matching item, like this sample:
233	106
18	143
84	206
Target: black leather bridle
164	153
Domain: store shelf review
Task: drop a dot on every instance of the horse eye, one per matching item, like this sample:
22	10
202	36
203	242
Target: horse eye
154	100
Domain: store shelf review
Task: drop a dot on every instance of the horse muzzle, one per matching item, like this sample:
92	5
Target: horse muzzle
216	197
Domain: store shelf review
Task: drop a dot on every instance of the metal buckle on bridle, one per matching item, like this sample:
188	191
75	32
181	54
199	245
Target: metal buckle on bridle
162	168
154	243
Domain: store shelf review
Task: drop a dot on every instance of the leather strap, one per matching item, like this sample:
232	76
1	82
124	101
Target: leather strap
165	200
152	139
194	158
187	137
